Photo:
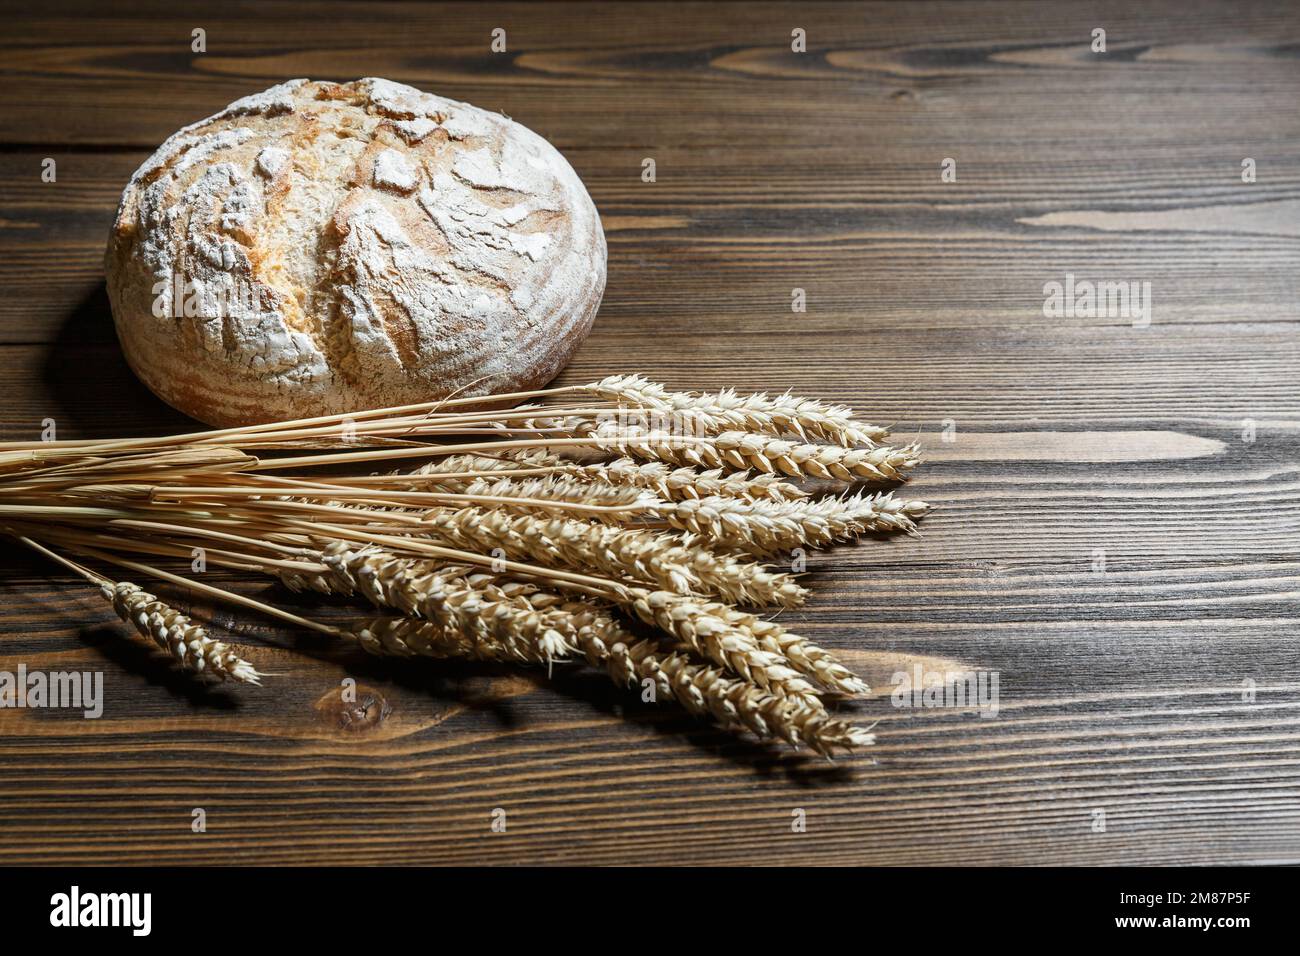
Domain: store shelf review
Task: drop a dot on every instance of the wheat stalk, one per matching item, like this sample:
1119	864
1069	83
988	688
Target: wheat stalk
185	641
521	543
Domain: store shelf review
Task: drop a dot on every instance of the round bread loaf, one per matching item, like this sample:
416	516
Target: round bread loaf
323	247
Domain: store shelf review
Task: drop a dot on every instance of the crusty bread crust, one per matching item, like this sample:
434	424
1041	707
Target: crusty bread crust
348	246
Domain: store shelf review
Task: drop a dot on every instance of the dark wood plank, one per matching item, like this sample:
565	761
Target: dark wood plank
967	255
1122	689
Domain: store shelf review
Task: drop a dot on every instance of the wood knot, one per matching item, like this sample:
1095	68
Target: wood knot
355	709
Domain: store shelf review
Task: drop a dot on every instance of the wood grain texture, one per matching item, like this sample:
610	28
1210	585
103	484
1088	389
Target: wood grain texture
1170	450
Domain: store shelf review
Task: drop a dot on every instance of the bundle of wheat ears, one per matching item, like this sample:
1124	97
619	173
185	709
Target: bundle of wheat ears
617	523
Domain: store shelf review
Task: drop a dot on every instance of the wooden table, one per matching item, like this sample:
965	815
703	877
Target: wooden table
1119	530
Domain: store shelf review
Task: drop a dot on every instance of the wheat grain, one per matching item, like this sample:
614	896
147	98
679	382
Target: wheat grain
187	642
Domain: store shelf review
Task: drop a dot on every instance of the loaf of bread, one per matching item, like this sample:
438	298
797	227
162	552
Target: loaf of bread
323	247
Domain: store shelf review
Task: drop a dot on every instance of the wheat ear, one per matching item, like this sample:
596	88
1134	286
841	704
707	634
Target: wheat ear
767	527
418	637
694	621
807	657
677	484
447	469
736	704
564	489
185	641
726	410
740	450
669	562
505	618
669	483
702	626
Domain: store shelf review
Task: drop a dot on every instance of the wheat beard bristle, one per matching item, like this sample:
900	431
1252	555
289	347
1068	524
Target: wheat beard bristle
187	642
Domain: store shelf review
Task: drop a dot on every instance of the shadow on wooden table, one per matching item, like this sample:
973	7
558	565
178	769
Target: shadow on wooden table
134	656
94	391
765	759
469	685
